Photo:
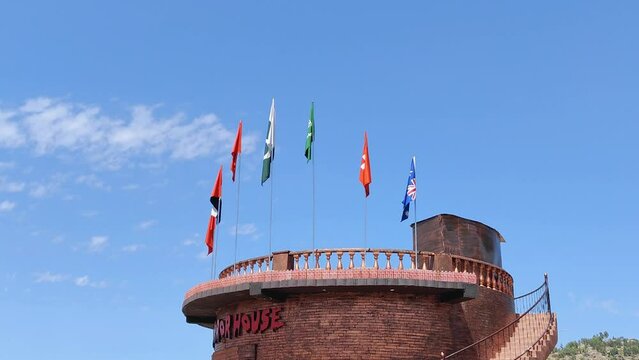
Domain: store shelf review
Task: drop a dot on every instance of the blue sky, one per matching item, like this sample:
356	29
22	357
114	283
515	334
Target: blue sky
115	118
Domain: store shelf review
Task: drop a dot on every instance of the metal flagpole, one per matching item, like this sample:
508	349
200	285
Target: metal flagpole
237	214
365	220
270	226
313	154
415	213
212	265
216	237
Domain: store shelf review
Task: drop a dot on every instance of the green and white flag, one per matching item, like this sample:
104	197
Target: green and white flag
269	148
310	135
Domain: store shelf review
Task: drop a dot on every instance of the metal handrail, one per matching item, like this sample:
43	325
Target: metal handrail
544	295
538	339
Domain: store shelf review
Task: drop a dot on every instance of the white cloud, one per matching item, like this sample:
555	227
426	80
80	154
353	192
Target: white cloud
7	205
48	277
59	239
203	255
84	281
606	305
10	186
49	125
10	134
92	181
245	230
147	224
43	189
39	190
6	165
133	247
193	240
89	213
98	243
130	187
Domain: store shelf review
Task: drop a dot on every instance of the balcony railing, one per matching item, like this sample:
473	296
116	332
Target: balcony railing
342	258
488	275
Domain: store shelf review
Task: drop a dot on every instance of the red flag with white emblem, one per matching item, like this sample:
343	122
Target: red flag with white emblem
237	149
365	167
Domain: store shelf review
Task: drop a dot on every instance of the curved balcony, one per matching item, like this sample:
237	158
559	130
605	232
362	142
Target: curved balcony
488	275
452	278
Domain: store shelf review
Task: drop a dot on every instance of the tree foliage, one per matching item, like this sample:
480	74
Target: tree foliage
600	346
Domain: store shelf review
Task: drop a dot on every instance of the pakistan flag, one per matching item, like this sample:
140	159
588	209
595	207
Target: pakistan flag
310	135
269	148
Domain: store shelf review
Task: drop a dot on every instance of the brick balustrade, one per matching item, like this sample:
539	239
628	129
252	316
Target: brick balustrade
349	259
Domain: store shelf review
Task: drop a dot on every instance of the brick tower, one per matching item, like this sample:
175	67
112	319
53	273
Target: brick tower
449	299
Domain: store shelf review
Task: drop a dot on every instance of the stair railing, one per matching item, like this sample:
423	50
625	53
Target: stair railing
534	310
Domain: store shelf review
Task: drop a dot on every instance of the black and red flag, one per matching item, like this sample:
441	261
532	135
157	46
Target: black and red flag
216	211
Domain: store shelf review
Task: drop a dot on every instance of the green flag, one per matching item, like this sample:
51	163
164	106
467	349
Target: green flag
310	135
269	148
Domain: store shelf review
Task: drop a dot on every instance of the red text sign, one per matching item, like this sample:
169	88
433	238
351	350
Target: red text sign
254	322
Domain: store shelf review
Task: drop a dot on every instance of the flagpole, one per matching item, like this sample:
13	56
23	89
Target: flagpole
415	215
212	264
270	226
313	159
237	214
365	220
217	239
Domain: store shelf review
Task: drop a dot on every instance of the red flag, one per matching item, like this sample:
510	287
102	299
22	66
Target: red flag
237	149
209	234
365	167
216	211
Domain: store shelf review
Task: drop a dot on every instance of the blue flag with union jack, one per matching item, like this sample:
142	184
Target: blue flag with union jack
411	190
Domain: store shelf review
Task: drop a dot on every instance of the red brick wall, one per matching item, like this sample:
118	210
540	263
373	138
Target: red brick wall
490	311
373	325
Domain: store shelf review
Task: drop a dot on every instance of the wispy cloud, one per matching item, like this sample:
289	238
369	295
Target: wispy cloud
81	281
98	243
588	304
10	134
606	305
48	277
133	248
7	205
49	125
84	281
203	255
193	240
245	230
41	189
10	186
147	224
92	181
89	213
129	187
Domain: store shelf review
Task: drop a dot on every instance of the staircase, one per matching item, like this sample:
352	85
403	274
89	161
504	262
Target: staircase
525	343
532	335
